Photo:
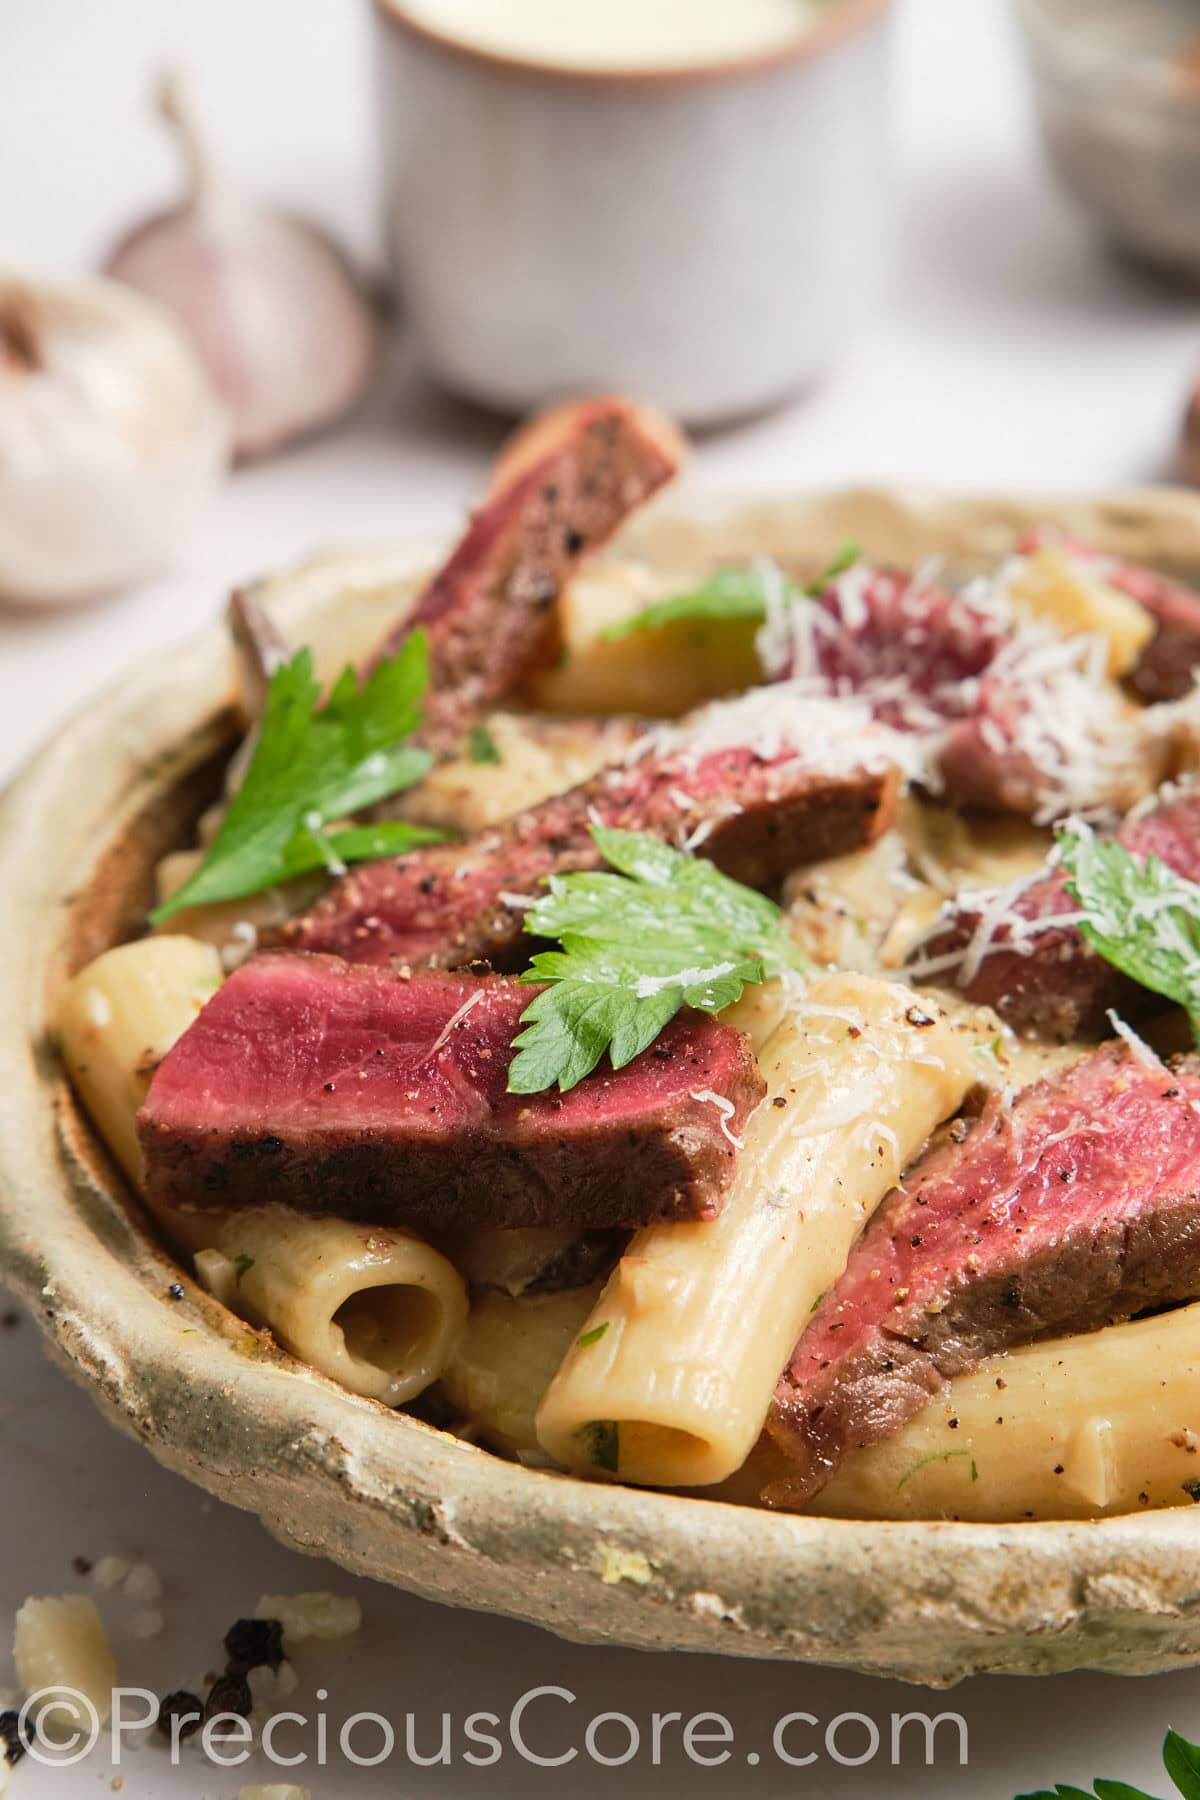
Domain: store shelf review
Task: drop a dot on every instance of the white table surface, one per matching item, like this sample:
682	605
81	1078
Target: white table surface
1013	354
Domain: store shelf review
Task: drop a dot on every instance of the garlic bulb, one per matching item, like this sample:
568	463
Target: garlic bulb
271	305
110	439
1189	441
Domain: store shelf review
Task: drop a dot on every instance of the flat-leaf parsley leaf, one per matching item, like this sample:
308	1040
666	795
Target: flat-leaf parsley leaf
1139	915
732	594
1181	1760
667	930
313	764
482	746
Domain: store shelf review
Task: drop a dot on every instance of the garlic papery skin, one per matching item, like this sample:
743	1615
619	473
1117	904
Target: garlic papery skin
111	439
271	305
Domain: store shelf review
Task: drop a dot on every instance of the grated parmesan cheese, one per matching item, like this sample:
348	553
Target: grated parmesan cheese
457	1018
1148	1058
725	1107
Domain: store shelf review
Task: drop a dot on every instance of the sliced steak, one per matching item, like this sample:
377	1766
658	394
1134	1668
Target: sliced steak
1018	950
1166	668
912	647
381	1099
490	612
757	812
1006	719
1049	735
1077	1206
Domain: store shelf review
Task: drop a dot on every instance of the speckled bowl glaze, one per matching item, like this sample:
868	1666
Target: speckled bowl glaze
388	1496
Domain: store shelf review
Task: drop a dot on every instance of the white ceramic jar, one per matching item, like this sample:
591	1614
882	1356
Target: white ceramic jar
706	237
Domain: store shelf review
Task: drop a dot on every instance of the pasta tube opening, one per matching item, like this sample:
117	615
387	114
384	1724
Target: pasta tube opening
388	1326
643	1444
378	1311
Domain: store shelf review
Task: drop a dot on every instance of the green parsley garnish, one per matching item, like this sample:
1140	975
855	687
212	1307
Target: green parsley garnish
312	764
241	1266
482	746
668	930
593	1336
1138	915
936	1457
733	594
1181	1760
602	1440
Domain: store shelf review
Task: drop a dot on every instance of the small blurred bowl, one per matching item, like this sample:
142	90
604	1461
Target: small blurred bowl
707	237
1118	91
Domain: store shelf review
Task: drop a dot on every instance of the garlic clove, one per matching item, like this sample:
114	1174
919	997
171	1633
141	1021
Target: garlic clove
272	306
111	439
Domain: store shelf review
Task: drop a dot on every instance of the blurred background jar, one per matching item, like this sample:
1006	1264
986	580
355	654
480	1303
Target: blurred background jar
690	203
1118	92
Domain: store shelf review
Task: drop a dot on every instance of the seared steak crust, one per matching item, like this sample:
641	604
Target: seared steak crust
1166	668
1078	1205
489	613
448	905
359	1093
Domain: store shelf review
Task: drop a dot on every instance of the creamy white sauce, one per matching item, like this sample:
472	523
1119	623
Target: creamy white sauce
619	34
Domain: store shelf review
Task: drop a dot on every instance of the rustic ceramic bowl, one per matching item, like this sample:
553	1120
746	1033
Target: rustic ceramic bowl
388	1496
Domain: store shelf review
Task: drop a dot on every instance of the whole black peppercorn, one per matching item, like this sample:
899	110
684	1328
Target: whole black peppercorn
12	1744
254	1644
183	1706
228	1694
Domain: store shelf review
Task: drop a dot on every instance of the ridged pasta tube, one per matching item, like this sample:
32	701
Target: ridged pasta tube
379	1311
507	1357
698	1319
116	1020
1104	1422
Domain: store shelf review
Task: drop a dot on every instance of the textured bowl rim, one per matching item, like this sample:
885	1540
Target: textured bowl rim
391	1497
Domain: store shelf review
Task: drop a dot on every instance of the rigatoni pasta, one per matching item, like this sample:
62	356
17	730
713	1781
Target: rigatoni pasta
116	1021
506	1358
1104	1422
672	1379
380	1311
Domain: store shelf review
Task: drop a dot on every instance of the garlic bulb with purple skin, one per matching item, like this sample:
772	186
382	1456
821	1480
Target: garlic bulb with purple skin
272	306
111	439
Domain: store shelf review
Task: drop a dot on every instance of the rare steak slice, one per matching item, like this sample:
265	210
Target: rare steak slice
1001	714
351	1091
1018	949
1078	1205
757	802
1167	667
489	613
910	647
